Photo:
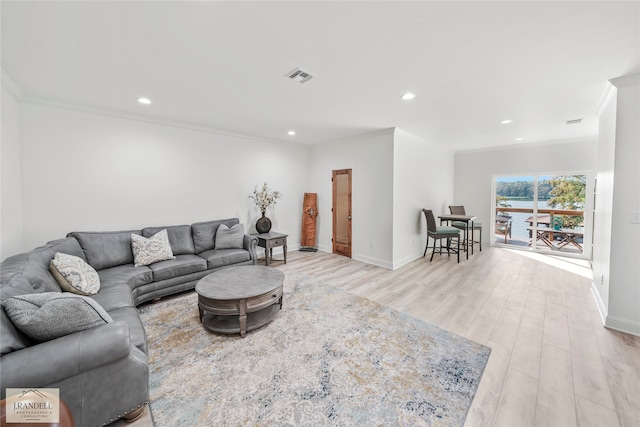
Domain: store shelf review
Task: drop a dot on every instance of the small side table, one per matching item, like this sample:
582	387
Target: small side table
270	240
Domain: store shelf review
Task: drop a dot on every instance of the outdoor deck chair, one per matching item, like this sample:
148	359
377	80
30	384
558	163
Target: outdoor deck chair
503	226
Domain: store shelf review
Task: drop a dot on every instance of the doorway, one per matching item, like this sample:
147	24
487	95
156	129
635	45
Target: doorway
544	213
341	209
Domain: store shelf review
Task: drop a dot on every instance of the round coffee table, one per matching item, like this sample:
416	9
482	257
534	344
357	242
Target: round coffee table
239	299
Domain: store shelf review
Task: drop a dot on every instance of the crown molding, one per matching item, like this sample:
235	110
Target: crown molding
26	98
11	86
15	91
605	98
626	80
531	144
611	88
385	131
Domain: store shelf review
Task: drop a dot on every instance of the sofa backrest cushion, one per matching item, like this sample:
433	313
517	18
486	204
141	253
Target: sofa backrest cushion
204	233
179	238
106	249
34	265
229	237
11	339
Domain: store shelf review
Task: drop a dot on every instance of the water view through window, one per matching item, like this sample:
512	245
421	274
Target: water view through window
542	212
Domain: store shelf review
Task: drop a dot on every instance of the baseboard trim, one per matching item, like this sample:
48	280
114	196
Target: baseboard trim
623	325
611	322
406	260
374	261
357	257
599	303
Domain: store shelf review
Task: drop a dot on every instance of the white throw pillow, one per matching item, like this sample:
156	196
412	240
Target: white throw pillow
149	250
74	274
229	238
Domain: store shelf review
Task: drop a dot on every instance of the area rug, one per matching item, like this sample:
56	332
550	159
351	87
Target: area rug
329	358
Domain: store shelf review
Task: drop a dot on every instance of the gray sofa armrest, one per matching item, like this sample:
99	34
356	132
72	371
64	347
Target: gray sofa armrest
249	243
64	357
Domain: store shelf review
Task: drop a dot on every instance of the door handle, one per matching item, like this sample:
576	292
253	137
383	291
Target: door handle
349	217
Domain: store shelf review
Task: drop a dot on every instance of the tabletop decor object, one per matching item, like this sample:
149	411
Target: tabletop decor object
264	198
309	215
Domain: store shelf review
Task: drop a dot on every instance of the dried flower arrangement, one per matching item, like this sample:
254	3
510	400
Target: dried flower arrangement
265	198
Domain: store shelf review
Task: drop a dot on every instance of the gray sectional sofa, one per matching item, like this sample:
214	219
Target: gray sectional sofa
102	372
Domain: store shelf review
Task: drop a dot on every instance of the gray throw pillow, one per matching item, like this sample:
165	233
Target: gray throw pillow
229	238
49	315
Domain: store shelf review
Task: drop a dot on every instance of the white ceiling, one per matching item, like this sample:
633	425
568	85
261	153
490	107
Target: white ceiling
222	64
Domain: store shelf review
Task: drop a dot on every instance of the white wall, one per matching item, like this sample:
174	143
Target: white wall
624	273
474	170
370	156
603	205
11	229
87	171
423	178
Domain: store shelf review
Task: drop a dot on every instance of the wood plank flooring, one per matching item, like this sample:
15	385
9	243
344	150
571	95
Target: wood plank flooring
552	361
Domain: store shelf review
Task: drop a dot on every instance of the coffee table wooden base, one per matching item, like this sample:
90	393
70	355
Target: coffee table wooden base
233	324
239	299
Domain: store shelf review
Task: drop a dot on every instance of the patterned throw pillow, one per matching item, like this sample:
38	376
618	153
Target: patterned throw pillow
149	250
229	238
74	274
49	315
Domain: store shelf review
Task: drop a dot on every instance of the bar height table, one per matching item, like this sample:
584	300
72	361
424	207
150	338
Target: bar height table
466	219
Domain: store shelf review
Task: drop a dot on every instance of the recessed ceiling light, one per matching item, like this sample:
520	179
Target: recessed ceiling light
519	139
407	96
291	133
145	101
506	122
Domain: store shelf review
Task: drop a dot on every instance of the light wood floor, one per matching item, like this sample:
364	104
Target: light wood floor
552	362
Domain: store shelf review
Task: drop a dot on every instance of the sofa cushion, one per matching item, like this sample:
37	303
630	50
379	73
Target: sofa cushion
17	285
11	339
130	274
156	248
34	265
229	237
74	274
179	237
106	249
181	265
222	257
114	297
204	233
49	315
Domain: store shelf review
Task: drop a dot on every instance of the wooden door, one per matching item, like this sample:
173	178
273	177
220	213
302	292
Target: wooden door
342	212
309	214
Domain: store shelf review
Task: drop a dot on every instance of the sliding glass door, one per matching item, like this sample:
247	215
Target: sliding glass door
545	213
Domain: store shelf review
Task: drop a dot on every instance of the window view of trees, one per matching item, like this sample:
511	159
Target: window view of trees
567	192
523	190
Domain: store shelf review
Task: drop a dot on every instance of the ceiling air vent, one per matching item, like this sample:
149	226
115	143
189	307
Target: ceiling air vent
299	75
574	121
